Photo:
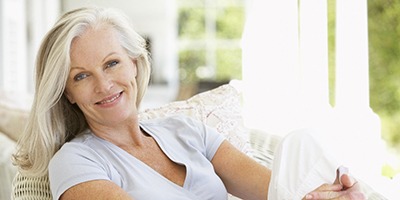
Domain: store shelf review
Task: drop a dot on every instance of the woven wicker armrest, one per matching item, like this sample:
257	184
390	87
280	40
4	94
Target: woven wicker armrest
31	188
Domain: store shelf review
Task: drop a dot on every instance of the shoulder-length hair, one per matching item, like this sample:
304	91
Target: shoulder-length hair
53	119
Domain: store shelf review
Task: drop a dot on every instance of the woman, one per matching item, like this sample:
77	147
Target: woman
92	72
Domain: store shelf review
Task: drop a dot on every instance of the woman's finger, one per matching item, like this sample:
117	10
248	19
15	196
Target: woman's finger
329	187
347	181
324	195
334	195
339	172
325	191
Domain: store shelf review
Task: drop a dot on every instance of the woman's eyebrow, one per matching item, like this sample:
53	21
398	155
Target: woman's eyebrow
108	55
77	67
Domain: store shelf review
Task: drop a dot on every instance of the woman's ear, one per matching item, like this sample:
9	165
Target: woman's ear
70	99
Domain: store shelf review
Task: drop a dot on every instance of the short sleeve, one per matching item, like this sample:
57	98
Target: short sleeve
212	140
75	163
186	132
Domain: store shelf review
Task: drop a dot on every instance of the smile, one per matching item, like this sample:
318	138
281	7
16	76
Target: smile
109	99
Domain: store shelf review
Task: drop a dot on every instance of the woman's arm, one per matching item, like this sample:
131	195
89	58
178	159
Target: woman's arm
96	190
242	176
247	179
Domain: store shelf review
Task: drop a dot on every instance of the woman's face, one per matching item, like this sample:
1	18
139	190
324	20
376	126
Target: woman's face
102	78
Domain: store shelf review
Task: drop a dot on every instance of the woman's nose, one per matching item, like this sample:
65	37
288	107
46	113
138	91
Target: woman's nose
103	83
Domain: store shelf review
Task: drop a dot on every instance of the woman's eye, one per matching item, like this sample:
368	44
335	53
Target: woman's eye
112	63
79	77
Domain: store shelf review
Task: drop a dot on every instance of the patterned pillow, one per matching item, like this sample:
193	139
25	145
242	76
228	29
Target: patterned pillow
219	108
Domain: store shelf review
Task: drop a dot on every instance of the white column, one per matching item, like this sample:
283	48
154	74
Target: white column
313	28
270	65
13	46
352	74
42	14
171	64
18	48
357	126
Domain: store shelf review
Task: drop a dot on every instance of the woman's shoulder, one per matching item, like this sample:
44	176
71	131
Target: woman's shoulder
82	145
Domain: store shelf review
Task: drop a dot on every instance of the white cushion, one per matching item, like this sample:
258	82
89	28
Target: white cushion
219	108
12	121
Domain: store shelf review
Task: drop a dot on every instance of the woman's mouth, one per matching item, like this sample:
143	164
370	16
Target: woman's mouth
109	99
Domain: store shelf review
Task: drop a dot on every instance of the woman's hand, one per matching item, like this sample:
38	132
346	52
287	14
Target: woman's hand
345	189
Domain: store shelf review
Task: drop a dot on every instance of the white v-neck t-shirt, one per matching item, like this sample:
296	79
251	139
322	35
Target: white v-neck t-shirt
185	141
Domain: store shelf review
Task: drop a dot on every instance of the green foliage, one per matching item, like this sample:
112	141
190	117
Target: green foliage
331	49
389	171
189	61
229	64
191	23
384	62
384	56
213	46
230	22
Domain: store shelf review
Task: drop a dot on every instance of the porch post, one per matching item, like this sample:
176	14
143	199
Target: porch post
42	14
356	123
270	65
313	18
13	46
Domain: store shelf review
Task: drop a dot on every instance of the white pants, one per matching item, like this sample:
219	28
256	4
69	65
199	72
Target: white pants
300	166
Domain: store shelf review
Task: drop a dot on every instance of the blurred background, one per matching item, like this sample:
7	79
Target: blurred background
196	45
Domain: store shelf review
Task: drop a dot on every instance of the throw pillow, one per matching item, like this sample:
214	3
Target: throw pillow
219	108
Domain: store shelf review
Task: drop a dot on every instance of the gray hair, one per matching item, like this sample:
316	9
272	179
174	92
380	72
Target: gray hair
53	120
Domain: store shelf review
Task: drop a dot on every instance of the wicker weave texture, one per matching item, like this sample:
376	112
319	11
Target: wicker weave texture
31	188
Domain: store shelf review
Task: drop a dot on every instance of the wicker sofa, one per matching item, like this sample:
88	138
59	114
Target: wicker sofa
219	108
13	116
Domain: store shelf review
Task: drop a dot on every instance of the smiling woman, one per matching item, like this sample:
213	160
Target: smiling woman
51	99
85	131
102	78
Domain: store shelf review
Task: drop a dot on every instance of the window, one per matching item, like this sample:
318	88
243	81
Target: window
209	36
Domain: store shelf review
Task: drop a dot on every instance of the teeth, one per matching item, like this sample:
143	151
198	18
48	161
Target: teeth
110	100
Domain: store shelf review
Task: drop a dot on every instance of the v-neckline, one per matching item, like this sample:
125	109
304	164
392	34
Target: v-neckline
152	170
168	155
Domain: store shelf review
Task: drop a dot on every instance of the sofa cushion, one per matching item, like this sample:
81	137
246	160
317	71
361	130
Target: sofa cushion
14	113
219	108
12	121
